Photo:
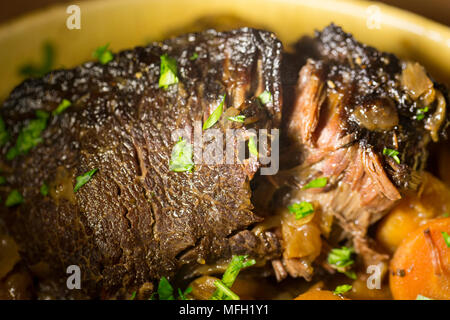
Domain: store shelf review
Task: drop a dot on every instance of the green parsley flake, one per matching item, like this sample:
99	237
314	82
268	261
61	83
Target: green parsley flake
446	238
12	153
165	290
14	198
32	70
103	55
420	114
239	118
265	97
4	135
133	295
181	158
2	180
341	258
194	56
226	292
83	179
62	106
351	274
316	183
183	295
215	115
42	114
301	210
392	153
30	136
252	146
167	72
237	263
44	189
342	289
421	297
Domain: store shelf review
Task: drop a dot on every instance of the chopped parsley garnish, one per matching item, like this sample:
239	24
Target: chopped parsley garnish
83	179
252	146
420	114
446	215
342	289
301	209
30	136
183	295
194	56
236	265
226	292
2	180
223	291
42	114
181	158
167	71
14	198
12	153
32	70
4	135
239	118
316	183
133	295
44	189
351	274
215	115
341	259
446	238
165	291
392	153
421	297
61	107
265	97
103	55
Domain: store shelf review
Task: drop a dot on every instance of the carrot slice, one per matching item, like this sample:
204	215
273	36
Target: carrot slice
421	264
318	294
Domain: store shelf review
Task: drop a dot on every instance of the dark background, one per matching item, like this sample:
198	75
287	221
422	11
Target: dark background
438	10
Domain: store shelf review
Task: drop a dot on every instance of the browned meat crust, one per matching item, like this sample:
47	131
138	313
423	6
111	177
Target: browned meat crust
351	102
136	221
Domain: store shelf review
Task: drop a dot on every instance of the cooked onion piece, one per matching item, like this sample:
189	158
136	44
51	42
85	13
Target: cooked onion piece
376	115
301	237
360	290
415	80
9	255
203	287
18	285
435	122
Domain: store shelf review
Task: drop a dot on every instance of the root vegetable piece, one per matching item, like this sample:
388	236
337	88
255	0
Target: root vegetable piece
318	294
421	265
431	201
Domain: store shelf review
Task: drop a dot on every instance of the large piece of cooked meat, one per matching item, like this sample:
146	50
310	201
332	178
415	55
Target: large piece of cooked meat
135	220
362	119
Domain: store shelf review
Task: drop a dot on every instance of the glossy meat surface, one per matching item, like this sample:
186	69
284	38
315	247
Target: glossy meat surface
135	220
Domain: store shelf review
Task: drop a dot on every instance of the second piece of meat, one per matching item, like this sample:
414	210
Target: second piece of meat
362	119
